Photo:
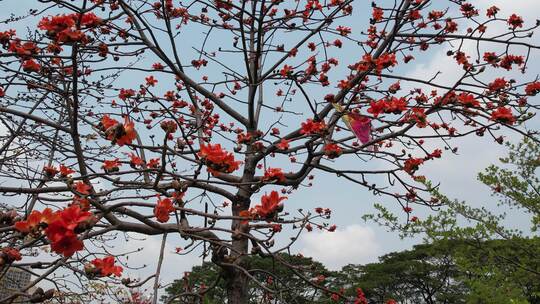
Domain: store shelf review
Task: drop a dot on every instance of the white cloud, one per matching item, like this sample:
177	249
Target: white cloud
354	244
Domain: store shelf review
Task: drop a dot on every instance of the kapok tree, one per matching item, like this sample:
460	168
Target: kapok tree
199	118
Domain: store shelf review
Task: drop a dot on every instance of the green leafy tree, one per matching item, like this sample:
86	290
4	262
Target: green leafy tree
424	274
499	262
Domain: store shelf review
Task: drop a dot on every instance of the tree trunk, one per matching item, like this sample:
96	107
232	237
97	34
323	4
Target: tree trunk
237	281
237	288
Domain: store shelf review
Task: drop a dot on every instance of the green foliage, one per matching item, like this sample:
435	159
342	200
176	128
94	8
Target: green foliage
519	185
425	274
498	262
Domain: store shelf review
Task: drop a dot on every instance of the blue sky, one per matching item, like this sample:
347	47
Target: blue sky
356	241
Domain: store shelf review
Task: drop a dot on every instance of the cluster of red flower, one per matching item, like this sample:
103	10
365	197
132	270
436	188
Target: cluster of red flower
497	84
111	165
468	100
393	105
66	28
51	171
135	161
283	144
61	227
270	205
503	115
118	133
272	174
217	159
384	61
312	127
417	116
504	62
126	93
532	88
162	209
332	150
25	51
102	268
412	164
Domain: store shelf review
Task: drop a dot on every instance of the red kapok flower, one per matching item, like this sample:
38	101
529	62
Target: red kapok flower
56	23
498	84
153	163
135	161
384	61
468	100
283	144
157	66
106	267
393	105
217	159
31	66
72	218
417	116
274	174
269	205
162	209
515	21
62	231
90	20
67	244
126	93
129	133
107	122
150	81
65	171
508	60
332	150
33	223
312	127
120	134
532	88
491	57
286	70
62	28
111	165
503	115
6	36
492	11
169	126
50	171
82	188
412	164
343	30
24	50
377	14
